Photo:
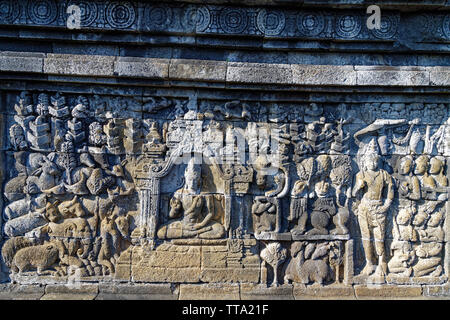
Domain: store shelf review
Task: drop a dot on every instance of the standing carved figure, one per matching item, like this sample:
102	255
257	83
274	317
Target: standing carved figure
378	194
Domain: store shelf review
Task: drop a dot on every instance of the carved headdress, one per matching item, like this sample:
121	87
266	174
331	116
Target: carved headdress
192	168
372	147
371	153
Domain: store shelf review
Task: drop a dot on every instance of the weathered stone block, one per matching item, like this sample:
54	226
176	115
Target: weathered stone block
188	257
119	291
259	73
79	65
437	291
302	292
252	291
439	76
155	274
404	280
214	259
209	292
323	75
387	292
392	76
186	69
142	67
70	292
123	268
230	274
21	62
9	291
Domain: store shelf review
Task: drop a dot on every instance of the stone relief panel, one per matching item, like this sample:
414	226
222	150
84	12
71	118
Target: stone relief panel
186	189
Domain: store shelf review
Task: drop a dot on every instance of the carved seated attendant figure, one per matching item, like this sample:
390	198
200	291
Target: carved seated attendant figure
403	256
403	228
427	183
402	251
199	212
429	259
434	231
437	167
408	186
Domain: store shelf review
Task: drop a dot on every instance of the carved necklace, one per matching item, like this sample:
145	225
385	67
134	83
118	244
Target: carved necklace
372	178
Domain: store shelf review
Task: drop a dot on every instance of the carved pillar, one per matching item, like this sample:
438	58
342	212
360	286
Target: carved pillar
148	175
228	202
149	209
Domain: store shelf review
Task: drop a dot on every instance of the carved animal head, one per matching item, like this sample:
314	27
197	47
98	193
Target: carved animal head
85	159
49	168
70	229
296	247
51	253
41	200
52	213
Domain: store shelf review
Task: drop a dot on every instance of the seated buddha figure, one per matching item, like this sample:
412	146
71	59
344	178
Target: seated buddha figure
193	214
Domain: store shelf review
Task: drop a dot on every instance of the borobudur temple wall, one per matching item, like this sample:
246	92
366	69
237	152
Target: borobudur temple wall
226	150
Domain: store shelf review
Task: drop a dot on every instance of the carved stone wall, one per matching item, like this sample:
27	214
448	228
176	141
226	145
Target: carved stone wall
258	175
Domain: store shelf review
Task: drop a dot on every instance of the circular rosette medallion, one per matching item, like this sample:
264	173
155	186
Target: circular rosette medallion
121	14
88	11
228	172
158	17
446	26
233	20
271	23
310	24
9	11
196	18
42	11
388	27
348	25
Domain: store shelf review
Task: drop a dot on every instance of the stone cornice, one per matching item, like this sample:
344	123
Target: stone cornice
216	24
222	71
402	5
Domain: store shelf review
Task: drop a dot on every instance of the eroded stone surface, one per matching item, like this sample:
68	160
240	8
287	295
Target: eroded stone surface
120	291
334	292
184	174
209	292
123	198
377	292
